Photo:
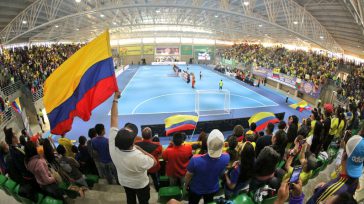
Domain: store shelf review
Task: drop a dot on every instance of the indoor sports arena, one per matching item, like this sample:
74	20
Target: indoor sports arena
181	101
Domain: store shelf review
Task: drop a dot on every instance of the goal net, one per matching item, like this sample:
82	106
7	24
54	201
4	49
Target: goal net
212	102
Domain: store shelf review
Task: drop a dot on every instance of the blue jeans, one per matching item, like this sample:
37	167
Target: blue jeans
109	171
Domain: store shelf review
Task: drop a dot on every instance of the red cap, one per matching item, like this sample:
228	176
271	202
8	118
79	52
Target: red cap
329	108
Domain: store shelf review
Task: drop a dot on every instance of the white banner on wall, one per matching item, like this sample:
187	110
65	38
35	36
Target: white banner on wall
168	63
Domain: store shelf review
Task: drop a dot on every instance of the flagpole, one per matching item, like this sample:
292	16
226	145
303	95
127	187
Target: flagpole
194	129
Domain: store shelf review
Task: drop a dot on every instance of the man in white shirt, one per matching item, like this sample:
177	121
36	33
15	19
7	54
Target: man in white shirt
131	162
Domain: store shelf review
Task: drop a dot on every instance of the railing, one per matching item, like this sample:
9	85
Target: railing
37	95
12	88
7	116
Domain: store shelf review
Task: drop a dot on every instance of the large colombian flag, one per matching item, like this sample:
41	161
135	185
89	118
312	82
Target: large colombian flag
301	106
80	84
262	119
178	123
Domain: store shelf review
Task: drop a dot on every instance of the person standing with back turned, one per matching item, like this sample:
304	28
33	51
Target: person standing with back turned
221	84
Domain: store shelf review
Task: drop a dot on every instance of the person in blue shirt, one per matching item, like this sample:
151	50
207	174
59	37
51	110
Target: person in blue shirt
100	144
203	171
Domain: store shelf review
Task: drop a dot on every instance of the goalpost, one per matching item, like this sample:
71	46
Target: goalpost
212	102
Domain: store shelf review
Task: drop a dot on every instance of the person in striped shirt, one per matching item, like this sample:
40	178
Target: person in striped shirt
348	180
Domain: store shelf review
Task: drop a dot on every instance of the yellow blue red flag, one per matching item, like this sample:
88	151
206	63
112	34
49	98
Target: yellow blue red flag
16	105
80	84
300	106
262	119
178	123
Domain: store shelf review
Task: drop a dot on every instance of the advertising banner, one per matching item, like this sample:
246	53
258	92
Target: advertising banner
130	50
293	82
186	49
148	49
167	51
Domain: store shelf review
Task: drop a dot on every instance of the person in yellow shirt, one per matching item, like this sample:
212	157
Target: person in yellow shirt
67	143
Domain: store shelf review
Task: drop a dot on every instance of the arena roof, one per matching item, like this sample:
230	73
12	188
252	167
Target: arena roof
335	25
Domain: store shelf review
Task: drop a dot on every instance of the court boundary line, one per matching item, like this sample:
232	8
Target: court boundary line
188	93
127	85
233	80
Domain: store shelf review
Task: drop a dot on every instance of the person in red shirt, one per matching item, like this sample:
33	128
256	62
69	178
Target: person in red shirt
153	148
177	155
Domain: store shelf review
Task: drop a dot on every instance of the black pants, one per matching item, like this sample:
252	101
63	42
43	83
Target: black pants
194	198
155	178
327	142
53	190
143	195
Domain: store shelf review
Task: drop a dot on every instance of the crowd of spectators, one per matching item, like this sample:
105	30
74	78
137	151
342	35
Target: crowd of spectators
309	66
246	161
32	65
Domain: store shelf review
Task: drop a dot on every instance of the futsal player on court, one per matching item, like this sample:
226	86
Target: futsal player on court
200	75
221	84
193	80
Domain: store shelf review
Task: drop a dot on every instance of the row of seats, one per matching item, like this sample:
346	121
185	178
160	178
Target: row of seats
11	188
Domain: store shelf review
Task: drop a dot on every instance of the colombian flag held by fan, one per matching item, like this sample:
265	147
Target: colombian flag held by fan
16	106
262	119
178	123
300	106
80	84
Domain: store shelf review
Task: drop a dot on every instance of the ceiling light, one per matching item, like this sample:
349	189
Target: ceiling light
77	1
322	37
216	16
114	23
158	11
56	26
77	29
295	22
102	15
260	25
358	45
246	3
24	22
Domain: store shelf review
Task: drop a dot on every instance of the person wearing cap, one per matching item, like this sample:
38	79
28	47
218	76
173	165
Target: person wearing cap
348	181
100	144
203	171
132	162
327	138
177	155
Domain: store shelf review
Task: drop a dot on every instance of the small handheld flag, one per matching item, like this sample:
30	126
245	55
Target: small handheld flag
301	106
178	123
262	119
16	106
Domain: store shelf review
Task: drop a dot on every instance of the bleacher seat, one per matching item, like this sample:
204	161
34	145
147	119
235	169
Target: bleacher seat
167	193
91	180
243	199
3	179
50	200
9	186
15	193
163	181
27	201
269	200
315	173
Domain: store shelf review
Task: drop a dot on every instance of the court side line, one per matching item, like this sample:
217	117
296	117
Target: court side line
127	85
233	80
188	93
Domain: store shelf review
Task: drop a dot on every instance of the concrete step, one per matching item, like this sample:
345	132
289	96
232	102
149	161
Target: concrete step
108	188
101	197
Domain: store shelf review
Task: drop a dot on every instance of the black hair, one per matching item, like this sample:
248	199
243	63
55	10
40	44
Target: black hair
124	139
30	151
238	131
74	149
92	133
178	138
100	128
253	126
8	135
48	151
132	127
61	150
24	131
22	140
82	140
282	125
247	160
266	162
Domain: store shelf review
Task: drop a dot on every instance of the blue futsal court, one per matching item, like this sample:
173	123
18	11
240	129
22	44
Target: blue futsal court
156	89
150	94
